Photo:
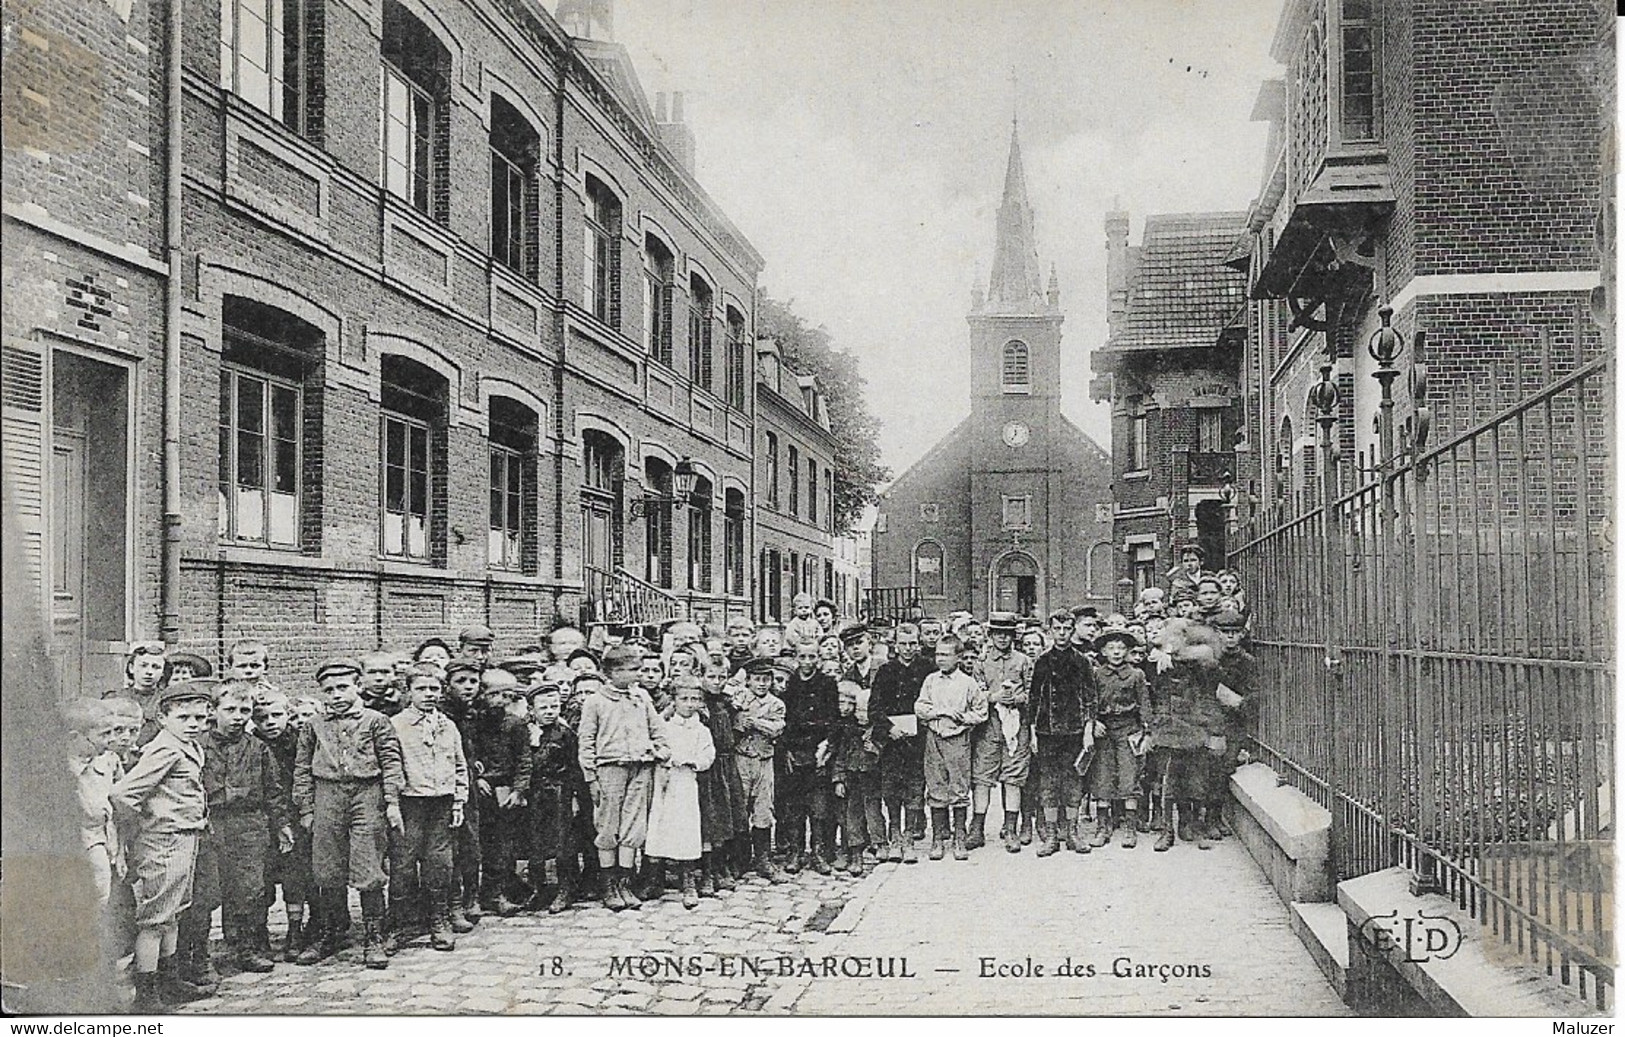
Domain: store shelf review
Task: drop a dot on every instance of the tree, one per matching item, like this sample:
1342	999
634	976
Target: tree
812	351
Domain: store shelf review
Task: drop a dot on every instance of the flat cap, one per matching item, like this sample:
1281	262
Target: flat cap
1228	619
852	630
759	664
525	662
462	665
200	690
335	666
477	634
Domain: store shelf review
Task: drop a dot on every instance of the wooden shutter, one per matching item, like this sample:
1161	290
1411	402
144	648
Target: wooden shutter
25	382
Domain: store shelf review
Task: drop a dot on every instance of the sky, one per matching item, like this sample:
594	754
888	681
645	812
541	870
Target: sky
861	147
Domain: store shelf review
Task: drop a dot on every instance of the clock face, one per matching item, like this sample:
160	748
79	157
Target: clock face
1016	434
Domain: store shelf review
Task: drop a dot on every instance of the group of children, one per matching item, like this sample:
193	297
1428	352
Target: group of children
445	784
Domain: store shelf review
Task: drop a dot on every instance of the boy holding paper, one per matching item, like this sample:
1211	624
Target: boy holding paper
896	688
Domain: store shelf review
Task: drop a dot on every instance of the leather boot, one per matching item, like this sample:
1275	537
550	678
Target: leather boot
911	852
1130	833
857	864
440	922
976	835
455	916
1102	832
623	882
294	942
149	996
173	988
1012	836
320	943
1026	829
704	885
939	840
1047	842
609	889
247	953
822	836
761	841
199	970
1165	832
959	848
1081	841
563	897
372	944
471	904
691	895
722	871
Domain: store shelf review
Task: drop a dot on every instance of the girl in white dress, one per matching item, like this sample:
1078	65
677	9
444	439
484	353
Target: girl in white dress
674	812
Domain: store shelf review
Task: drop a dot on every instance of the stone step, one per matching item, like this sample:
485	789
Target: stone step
1323	928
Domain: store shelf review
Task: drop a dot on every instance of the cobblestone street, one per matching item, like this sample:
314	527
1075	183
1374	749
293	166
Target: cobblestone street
928	926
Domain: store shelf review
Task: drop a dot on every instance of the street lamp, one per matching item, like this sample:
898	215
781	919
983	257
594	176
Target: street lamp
682	485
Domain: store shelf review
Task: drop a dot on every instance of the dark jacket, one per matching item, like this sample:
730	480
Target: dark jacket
552	762
1123	691
811	709
847	751
1185	712
896	689
1063	693
501	747
241	776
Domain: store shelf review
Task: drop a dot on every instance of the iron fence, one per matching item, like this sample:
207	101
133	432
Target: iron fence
894	603
1438	651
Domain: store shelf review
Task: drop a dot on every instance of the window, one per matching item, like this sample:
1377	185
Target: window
928	575
414	113
772	475
699	537
1017	511
829	579
657	299
263	56
736	359
795	481
795	574
263	417
1209	430
657	524
812	490
1359	70
515	150
1016	371
513	486
413	426
1136	451
829	501
600	277
1143	562
699	332
603	535
733	542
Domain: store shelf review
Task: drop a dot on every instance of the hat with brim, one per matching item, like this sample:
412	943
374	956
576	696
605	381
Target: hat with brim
462	666
1002	623
1126	637
758	664
200	666
852	631
523	663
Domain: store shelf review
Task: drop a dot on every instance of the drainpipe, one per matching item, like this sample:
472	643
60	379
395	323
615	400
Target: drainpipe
170	579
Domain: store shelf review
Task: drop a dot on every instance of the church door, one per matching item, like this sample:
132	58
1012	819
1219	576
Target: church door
1015	585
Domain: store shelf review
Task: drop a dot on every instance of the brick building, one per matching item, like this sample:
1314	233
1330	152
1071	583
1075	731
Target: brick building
1010	510
456	322
1446	159
795	487
1176	320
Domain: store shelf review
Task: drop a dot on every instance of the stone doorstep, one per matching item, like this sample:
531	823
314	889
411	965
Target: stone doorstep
1300	826
1324	931
1480	979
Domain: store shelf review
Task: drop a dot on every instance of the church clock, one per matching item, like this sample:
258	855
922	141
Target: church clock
1016	434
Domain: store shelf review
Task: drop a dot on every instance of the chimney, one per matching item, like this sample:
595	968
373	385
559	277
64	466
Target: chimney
1117	270
674	131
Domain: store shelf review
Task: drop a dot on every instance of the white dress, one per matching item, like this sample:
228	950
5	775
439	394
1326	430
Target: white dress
674	810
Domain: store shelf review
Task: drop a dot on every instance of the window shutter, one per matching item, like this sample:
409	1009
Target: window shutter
25	442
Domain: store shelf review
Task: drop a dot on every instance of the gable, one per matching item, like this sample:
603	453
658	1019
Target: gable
951	453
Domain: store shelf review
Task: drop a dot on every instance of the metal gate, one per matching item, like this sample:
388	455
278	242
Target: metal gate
1437	657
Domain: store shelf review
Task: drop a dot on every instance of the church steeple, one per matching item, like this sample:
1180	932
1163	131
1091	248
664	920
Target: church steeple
1016	286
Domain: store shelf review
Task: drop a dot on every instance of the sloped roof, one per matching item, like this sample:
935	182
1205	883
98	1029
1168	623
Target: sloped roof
1181	293
1016	285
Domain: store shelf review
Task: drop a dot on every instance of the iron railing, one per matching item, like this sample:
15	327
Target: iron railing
1437	645
893	603
622	599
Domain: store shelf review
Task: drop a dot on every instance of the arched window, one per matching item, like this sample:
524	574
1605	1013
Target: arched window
928	565
602	485
511	537
414	459
733	541
700	302
736	358
601	255
415	94
515	150
699	536
1016	371
657	479
658	264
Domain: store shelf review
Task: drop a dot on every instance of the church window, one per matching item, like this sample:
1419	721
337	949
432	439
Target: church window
1018	511
1016	372
928	565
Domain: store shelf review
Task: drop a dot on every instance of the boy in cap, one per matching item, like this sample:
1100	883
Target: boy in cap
620	740
1061	703
475	643
854	767
347	784
458	705
758	721
434	789
164	793
951	704
896	688
1184	575
501	746
1238	695
811	705
1001	748
380	686
740	633
858	640
1123	705
552	790
187	666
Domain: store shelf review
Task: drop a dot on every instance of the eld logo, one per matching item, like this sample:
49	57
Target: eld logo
1413	939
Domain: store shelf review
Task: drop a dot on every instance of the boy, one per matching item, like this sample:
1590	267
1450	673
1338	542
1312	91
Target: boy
620	740
434	789
564	641
811	704
277	727
164	790
501	744
1061	702
552	788
1001	749
739	638
951	703
249	661
1123	705
347	783
1207	595
758	721
187	666
380	690
475	643
860	648
854	770
246	806
95	768
803	626
902	762
462	690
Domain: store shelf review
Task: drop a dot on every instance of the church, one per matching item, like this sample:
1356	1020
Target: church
1011	511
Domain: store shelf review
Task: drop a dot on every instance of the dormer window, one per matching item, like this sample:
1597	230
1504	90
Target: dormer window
1016	370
